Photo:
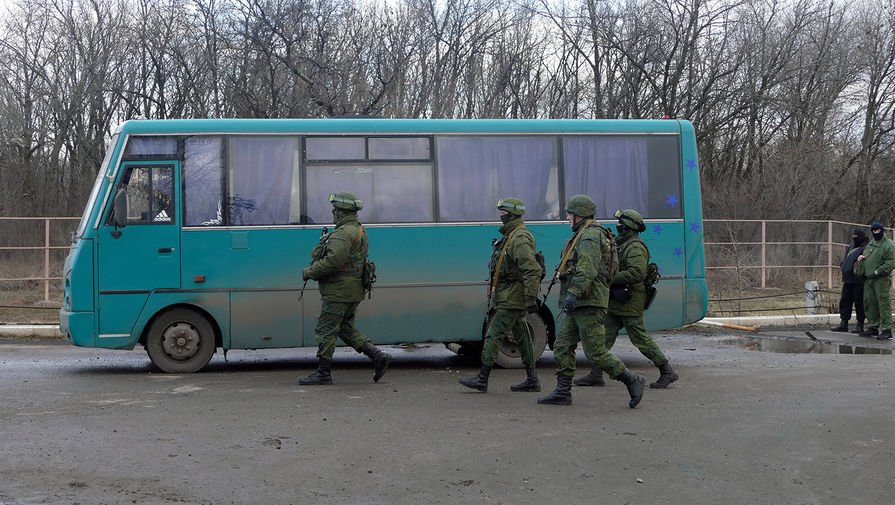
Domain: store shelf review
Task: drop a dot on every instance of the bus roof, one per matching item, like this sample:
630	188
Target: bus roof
403	126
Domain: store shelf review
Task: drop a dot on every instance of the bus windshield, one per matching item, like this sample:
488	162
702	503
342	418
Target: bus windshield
103	168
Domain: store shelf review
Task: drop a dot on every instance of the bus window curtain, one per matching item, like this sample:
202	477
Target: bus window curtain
202	181
473	173
613	171
261	180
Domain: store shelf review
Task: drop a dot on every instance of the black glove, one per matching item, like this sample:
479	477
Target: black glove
531	306
569	305
304	275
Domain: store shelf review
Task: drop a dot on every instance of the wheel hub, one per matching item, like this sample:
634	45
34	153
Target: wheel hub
180	340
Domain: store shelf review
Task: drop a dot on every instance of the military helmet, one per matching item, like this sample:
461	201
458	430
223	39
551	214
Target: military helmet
632	219
346	201
511	205
581	206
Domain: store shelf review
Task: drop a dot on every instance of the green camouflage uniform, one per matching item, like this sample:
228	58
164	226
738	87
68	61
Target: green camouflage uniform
879	260
517	284
337	267
633	257
585	277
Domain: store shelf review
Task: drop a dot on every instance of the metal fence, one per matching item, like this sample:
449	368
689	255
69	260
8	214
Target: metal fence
765	246
38	238
742	247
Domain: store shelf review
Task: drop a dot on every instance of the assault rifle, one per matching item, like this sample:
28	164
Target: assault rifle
301	293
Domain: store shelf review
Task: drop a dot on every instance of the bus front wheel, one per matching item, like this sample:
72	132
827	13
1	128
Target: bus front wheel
508	355
180	341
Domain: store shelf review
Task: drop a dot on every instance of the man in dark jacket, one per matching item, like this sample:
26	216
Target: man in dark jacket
852	287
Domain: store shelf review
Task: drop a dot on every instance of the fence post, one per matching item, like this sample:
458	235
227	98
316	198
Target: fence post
829	254
811	299
763	251
46	260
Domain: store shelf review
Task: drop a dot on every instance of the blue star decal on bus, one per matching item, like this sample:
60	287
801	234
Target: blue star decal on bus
672	199
657	229
694	226
678	252
691	164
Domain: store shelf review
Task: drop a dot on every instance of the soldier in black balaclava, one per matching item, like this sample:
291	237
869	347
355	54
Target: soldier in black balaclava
852	286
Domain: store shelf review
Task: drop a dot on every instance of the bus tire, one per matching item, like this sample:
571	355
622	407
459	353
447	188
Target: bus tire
180	341
508	355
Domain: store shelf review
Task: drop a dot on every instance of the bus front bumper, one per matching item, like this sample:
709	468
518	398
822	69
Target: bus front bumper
78	328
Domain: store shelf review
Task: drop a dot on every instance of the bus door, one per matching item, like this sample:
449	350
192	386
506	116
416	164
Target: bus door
144	254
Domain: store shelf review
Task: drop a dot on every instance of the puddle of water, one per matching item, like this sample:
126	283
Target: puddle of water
800	346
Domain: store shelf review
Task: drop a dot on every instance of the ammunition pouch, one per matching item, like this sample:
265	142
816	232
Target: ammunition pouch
620	293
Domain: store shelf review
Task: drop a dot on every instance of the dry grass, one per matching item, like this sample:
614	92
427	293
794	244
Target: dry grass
766	302
27	306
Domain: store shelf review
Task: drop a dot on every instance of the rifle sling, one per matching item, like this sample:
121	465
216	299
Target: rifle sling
503	251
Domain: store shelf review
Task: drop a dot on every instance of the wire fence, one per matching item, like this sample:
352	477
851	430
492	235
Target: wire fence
752	265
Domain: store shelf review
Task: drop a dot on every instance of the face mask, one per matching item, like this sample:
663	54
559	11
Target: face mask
338	213
505	218
621	229
877	235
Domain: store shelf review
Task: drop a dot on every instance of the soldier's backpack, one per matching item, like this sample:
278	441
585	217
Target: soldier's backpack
609	262
368	269
542	262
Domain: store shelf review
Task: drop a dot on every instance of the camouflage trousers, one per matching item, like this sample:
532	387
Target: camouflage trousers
508	321
878	302
336	321
637	333
584	325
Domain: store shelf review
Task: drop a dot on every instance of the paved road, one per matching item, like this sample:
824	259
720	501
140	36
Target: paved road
741	427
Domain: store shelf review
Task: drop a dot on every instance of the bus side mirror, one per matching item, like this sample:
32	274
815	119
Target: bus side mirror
119	208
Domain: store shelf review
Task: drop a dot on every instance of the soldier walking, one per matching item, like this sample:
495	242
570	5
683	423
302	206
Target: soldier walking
876	264
337	265
627	301
584	274
512	292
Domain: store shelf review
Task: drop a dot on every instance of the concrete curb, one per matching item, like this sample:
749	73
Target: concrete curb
30	330
778	321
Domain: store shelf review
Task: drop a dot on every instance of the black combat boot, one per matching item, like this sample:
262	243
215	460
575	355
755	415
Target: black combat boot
634	382
380	361
594	378
321	376
859	328
843	326
666	377
886	335
870	332
562	395
530	383
480	381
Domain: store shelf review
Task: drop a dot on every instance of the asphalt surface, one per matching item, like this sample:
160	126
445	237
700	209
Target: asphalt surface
741	426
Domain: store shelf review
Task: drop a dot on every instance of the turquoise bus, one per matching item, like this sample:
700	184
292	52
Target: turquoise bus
195	232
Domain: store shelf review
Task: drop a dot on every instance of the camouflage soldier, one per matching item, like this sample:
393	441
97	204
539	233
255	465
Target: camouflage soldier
337	265
627	298
587	261
876	264
513	291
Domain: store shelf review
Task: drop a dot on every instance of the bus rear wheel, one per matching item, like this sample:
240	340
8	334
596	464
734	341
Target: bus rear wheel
508	355
180	341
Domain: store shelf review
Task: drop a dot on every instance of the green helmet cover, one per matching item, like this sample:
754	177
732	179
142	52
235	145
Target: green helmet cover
346	201
631	218
581	206
511	205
